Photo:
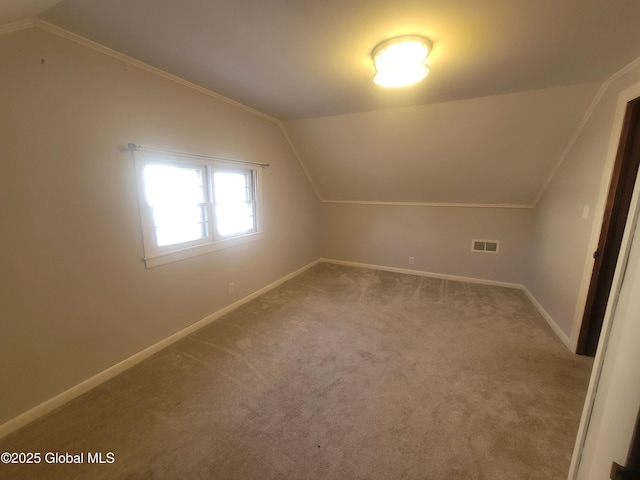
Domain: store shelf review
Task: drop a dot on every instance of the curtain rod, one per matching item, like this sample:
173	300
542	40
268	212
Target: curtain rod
133	147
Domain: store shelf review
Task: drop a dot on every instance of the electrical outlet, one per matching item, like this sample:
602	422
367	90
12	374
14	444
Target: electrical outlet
412	260
231	287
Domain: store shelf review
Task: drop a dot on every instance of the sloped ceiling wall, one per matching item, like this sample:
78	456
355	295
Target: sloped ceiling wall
495	150
16	10
487	127
302	59
490	150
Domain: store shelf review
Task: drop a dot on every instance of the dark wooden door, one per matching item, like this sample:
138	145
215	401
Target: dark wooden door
623	180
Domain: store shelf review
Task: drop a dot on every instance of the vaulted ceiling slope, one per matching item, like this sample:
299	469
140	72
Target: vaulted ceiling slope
490	150
16	10
298	59
510	82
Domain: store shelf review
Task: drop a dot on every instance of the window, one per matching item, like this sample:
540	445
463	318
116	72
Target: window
190	206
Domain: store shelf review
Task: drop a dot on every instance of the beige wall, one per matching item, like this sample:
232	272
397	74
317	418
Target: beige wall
75	298
547	249
560	258
438	237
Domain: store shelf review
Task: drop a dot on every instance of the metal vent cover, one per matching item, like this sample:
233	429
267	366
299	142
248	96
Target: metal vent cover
488	246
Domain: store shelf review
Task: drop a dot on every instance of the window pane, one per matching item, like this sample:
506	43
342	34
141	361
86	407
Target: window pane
234	203
231	187
176	196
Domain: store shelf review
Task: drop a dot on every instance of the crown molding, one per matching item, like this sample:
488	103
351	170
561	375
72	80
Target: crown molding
585	119
80	40
61	32
15	26
429	204
293	148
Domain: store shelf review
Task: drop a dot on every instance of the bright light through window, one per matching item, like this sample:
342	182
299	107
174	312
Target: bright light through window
234	203
177	199
190	206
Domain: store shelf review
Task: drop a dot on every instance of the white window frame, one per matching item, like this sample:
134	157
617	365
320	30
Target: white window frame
155	255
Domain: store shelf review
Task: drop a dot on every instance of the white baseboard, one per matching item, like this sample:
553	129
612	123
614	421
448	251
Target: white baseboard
49	405
422	273
554	326
42	409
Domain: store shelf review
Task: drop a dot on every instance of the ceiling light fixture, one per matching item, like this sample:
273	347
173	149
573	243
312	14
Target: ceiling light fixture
401	61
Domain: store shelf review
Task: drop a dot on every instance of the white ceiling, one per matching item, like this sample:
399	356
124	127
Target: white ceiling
461	135
15	10
301	58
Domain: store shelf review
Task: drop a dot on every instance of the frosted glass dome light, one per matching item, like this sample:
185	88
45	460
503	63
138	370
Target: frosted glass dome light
401	61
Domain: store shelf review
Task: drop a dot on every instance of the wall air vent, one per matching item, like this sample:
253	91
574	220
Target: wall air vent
488	246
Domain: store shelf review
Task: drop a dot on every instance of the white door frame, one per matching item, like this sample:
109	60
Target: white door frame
596	387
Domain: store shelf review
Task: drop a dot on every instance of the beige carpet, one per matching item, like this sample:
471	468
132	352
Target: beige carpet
340	373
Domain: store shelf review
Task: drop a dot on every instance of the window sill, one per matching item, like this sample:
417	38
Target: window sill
177	255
